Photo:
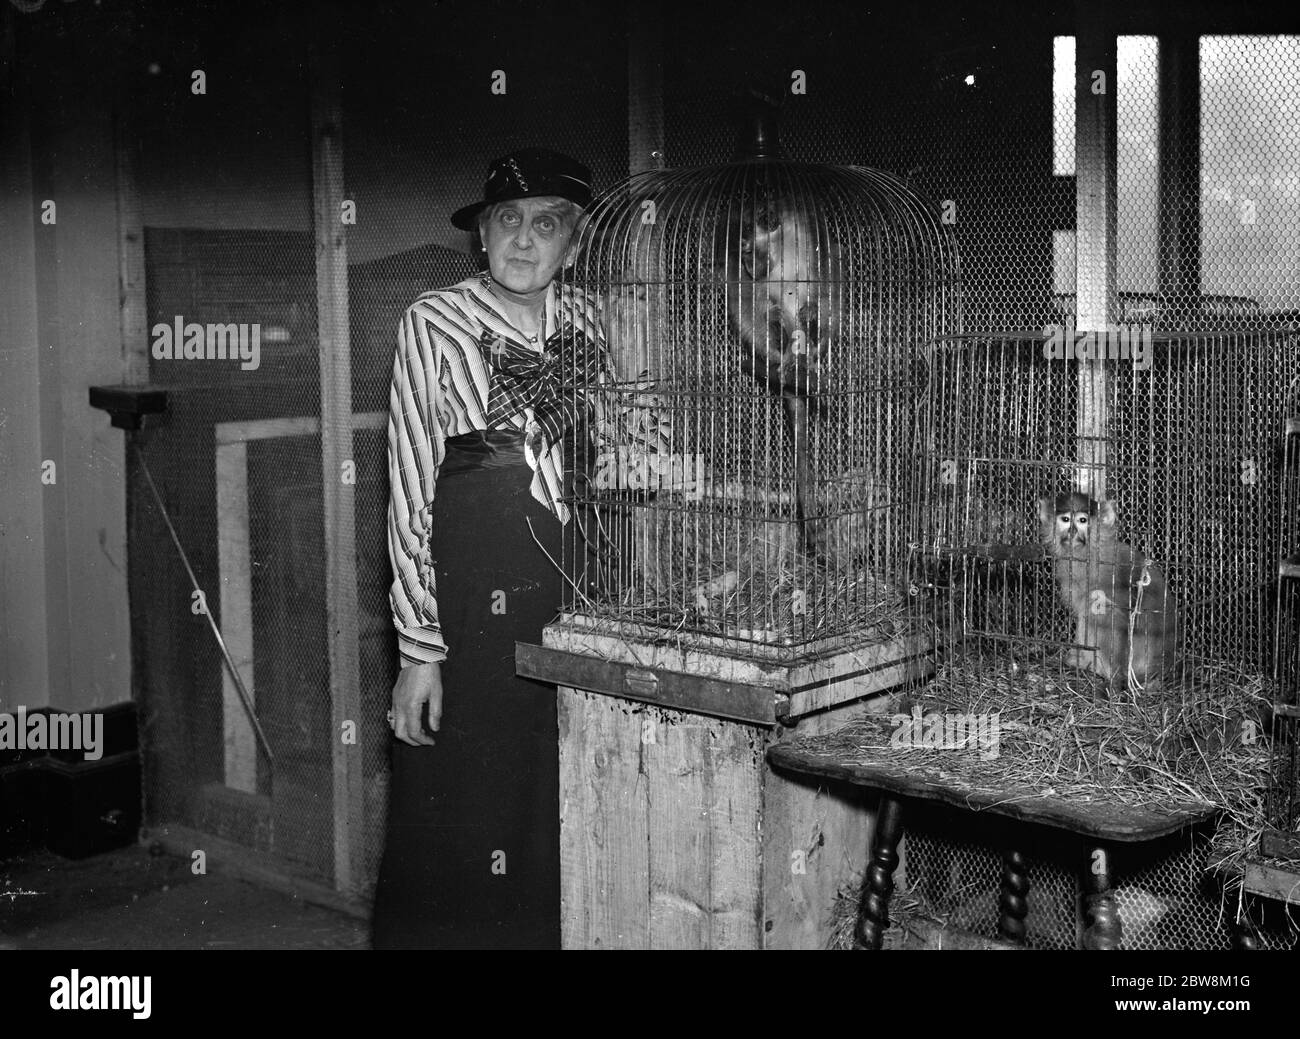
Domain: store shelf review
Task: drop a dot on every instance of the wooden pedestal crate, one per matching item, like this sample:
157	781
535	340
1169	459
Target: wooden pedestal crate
674	832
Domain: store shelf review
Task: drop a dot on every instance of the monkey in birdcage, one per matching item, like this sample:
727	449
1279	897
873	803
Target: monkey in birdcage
785	303
1127	626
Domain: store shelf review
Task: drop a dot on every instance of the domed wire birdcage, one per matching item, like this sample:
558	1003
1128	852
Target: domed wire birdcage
766	324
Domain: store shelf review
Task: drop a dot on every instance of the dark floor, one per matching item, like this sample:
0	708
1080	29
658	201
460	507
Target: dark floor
130	899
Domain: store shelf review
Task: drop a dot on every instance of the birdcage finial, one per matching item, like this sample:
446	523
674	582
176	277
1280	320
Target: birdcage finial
758	134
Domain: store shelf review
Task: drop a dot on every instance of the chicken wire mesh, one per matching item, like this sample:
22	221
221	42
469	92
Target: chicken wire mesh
951	867
889	91
764	320
1207	147
237	463
1283	806
1206	195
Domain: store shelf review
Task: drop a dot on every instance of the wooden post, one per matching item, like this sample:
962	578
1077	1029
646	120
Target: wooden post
1095	212
336	450
234	569
130	250
645	88
1180	168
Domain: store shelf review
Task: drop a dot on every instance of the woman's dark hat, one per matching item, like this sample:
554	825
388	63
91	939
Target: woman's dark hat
529	173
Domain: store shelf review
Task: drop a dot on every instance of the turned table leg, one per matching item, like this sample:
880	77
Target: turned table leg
1245	935
1104	930
1244	939
873	911
1013	903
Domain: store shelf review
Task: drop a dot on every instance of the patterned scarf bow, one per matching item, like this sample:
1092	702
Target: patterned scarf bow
549	382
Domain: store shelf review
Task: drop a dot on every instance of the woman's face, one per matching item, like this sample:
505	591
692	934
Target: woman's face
525	239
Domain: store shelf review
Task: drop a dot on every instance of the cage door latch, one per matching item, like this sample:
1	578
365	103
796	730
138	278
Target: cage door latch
644	685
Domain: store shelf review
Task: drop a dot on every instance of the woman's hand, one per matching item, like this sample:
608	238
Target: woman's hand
415	687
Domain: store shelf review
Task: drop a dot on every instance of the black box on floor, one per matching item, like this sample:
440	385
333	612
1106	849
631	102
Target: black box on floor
66	802
92	806
22	808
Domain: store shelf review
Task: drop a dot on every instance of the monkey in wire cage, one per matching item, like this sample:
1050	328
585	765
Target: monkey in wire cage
1127	625
772	272
784	302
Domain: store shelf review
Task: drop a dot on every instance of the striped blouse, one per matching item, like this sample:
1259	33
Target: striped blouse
439	390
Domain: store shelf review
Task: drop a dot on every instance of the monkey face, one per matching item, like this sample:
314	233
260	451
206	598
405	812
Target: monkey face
1073	521
1071	530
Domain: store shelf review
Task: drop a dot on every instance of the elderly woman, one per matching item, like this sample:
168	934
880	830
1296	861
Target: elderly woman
472	858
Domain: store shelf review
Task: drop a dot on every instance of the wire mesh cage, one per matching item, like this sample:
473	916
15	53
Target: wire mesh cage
1283	805
1189	445
1098	536
952	864
1123	653
765	320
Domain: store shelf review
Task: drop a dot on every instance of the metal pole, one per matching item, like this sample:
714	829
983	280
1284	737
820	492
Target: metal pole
216	632
1095	221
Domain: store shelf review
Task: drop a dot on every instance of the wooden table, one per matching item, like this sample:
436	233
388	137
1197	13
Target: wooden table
901	774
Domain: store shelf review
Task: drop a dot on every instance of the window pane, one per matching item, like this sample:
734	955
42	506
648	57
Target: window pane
1250	155
1137	159
1063	106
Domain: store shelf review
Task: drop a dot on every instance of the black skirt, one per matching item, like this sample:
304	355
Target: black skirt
472	856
